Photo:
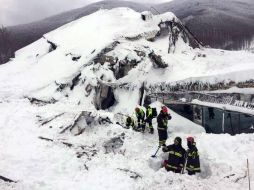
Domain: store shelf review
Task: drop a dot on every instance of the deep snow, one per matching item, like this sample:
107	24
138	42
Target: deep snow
38	164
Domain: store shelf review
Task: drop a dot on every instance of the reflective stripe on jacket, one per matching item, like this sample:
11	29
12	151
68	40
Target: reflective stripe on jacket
176	155
193	163
140	114
162	121
149	112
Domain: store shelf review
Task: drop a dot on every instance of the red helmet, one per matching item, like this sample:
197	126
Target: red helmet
164	109
190	139
137	109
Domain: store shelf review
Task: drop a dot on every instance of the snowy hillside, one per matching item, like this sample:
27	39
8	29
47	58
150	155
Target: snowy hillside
61	97
230	20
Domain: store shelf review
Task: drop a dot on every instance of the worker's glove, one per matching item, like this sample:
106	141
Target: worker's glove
164	149
165	163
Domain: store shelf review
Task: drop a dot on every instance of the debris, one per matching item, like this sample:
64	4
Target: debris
132	174
75	81
156	59
114	143
44	122
41	102
7	179
228	176
239	178
81	150
71	126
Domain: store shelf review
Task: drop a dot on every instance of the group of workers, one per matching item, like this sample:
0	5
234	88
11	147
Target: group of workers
140	115
178	158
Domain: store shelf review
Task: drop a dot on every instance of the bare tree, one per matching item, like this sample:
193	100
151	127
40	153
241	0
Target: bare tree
5	45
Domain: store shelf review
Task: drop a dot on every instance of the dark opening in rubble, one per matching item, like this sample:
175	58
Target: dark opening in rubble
124	66
104	98
143	17
109	100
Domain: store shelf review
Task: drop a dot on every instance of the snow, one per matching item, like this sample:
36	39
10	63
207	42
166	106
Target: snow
38	164
123	97
35	72
34	50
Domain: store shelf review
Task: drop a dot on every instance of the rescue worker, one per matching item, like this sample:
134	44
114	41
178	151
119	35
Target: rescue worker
193	164
149	118
140	114
130	122
175	162
162	127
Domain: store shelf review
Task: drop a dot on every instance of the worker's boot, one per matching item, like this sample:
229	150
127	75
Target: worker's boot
151	130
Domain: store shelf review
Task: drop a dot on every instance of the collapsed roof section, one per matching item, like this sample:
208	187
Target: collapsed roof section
91	58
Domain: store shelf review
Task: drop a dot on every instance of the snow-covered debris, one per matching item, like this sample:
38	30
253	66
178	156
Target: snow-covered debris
53	92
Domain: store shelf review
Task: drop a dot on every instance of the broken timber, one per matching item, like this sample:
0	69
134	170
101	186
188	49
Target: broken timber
132	174
7	179
44	122
89	151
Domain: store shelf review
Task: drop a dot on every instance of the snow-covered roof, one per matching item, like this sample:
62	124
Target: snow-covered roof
89	35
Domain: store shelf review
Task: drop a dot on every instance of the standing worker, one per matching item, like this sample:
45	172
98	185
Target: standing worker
162	127
149	118
140	114
193	164
175	162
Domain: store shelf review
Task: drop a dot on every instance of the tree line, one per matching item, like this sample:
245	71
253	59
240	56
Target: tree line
6	47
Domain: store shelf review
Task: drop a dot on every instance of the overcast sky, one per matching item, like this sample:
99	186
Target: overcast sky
14	12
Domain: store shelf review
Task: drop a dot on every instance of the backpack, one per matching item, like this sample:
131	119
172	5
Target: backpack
154	112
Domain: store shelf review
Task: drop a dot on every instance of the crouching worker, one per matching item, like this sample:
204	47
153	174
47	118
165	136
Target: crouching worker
130	123
176	156
193	164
